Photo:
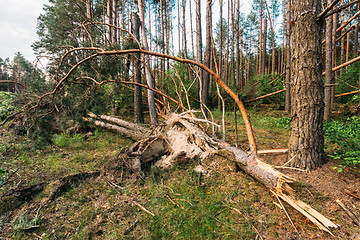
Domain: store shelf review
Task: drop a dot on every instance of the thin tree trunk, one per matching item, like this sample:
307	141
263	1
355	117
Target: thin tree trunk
179	24
114	20
334	55
88	9
221	40
109	19
138	108
237	44
167	32
192	31
263	60
342	52
348	39
356	34
328	66
162	62
184	28
226	58
232	57
288	58
306	143
149	78
207	55
261	70
199	57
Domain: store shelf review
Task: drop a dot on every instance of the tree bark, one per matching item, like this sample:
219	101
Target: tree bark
306	143
149	77
328	67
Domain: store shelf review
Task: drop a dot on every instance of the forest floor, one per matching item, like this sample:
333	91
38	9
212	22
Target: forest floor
175	203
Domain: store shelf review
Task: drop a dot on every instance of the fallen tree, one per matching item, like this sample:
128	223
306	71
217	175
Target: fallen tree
182	137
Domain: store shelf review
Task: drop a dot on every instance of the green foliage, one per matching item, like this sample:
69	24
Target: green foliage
346	135
6	104
261	85
66	140
283	122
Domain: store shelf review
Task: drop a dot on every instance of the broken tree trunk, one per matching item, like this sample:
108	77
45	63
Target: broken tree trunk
181	137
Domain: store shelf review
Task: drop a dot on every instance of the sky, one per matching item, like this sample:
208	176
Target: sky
18	19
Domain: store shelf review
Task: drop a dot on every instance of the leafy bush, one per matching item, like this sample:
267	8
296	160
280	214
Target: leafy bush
346	135
6	104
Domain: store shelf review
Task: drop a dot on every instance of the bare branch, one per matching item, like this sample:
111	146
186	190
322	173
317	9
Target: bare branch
323	13
336	10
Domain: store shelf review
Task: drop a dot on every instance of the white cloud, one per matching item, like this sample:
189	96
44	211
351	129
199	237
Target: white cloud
18	19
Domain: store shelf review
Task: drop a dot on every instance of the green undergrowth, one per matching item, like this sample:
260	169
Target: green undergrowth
344	135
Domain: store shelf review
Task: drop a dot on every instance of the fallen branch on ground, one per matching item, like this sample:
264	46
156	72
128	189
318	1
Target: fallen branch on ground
182	138
348	212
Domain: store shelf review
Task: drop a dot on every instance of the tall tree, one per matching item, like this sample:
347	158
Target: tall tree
306	143
149	77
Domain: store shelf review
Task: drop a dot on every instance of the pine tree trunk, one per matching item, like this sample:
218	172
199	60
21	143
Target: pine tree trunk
138	108
199	57
342	51
162	62
288	58
221	41
328	66
149	78
356	35
237	45
114	20
184	28
207	55
261	72
263	55
334	56
306	143
88	9
109	19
